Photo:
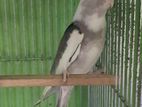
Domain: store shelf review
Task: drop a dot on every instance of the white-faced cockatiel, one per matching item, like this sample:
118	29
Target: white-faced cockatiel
80	47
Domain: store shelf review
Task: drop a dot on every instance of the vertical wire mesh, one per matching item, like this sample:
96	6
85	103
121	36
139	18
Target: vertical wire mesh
122	56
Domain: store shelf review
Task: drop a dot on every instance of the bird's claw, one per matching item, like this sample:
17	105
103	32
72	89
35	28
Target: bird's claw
65	76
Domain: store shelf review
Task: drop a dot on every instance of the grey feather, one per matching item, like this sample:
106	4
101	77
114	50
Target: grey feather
48	91
89	20
63	45
63	96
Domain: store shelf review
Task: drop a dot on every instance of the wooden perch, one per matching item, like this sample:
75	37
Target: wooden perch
56	80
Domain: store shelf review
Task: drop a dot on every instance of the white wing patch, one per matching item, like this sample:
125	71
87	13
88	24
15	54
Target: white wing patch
72	50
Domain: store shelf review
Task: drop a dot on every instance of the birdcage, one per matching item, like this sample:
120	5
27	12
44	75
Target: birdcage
30	31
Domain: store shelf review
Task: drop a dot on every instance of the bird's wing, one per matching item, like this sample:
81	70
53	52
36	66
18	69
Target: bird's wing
68	50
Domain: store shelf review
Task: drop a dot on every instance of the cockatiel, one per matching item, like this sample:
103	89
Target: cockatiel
81	45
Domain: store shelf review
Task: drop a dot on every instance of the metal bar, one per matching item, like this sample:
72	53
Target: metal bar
115	42
56	80
127	9
107	57
137	34
111	54
136	46
119	48
122	50
108	53
131	51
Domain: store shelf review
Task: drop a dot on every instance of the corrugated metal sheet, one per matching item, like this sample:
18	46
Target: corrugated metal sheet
30	31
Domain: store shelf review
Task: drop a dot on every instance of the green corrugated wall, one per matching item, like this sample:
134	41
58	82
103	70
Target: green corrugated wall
30	31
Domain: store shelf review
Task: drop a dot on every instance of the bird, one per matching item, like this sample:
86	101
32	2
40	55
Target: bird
80	46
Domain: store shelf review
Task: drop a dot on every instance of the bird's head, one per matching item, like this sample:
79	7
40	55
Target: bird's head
90	7
98	4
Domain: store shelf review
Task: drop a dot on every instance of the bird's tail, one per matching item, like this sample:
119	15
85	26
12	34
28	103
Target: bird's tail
48	91
64	94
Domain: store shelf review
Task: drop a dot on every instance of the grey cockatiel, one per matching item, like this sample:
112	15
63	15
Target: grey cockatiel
81	45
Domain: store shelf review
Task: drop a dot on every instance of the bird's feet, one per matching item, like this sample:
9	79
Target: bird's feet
65	76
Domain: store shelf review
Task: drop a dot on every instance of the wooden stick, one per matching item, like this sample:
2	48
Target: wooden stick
56	80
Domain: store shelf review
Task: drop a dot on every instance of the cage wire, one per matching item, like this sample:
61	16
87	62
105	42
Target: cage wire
141	54
30	31
121	56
